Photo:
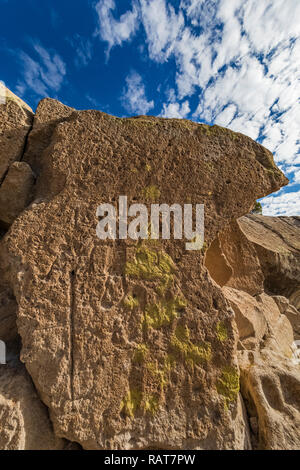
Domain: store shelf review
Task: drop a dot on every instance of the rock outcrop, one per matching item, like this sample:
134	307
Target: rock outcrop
15	122
142	344
24	420
265	299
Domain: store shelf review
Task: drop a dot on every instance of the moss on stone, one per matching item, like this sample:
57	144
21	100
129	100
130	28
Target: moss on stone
164	312
183	347
135	399
130	302
131	402
151	265
141	353
151	193
161	372
151	404
222	332
228	385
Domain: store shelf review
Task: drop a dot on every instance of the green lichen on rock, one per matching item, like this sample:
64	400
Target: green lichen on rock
222	332
141	353
131	402
130	302
151	193
161	372
151	404
228	385
183	347
164	312
151	265
135	399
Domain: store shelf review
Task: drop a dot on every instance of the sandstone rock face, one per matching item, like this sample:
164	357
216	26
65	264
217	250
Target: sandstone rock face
260	323
270	385
24	421
236	263
8	310
15	122
136	345
268	323
15	191
131	344
277	244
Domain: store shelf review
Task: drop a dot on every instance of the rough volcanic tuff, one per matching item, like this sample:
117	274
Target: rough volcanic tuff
15	122
24	420
256	261
130	344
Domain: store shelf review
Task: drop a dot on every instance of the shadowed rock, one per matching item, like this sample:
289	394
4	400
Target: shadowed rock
15	122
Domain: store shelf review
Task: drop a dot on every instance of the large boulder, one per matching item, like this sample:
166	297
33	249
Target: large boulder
24	420
260	322
267	322
277	243
270	385
130	344
232	261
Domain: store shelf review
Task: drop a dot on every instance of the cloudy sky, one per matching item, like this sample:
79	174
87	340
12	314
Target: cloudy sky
235	63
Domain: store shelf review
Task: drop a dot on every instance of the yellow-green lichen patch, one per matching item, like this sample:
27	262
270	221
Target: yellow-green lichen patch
222	332
135	399
228	384
151	404
131	402
192	353
148	167
163	312
130	302
151	193
161	372
151	265
141	353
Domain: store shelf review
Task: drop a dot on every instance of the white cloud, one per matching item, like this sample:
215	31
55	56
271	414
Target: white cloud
43	75
238	58
134	97
163	27
113	31
284	204
176	110
83	48
269	22
2	93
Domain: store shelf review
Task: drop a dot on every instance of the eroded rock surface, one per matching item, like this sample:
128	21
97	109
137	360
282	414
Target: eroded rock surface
15	122
277	244
270	385
24	420
15	192
130	345
267	321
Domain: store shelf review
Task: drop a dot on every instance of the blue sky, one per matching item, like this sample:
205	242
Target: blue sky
235	63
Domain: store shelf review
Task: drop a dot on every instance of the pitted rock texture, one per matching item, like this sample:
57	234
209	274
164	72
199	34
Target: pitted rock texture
277	244
15	192
130	344
15	123
270	385
24	421
267	322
